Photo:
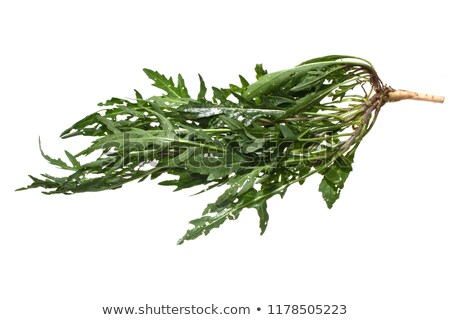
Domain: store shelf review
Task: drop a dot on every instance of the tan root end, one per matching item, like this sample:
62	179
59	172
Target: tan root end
398	95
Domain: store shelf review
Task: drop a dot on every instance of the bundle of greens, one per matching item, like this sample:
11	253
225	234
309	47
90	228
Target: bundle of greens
257	139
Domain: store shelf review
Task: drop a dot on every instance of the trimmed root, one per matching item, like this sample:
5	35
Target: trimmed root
398	95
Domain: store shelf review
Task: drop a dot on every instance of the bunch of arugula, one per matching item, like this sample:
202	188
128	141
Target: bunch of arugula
258	139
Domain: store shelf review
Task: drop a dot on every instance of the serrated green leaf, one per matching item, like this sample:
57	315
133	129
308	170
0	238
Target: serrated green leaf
167	84
78	128
229	210
57	162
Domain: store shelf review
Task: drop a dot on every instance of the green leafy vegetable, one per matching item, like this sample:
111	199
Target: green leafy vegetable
256	139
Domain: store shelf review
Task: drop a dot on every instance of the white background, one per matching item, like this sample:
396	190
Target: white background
383	250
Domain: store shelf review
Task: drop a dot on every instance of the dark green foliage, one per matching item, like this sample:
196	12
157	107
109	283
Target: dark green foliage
257	139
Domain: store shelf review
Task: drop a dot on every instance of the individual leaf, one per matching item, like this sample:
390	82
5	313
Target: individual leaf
261	208
260	71
131	112
339	172
166	125
221	95
140	100
202	92
111	102
78	128
167	84
318	78
182	87
244	83
334	58
334	179
235	89
72	159
238	91
108	123
57	162
330	192
272	82
215	215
